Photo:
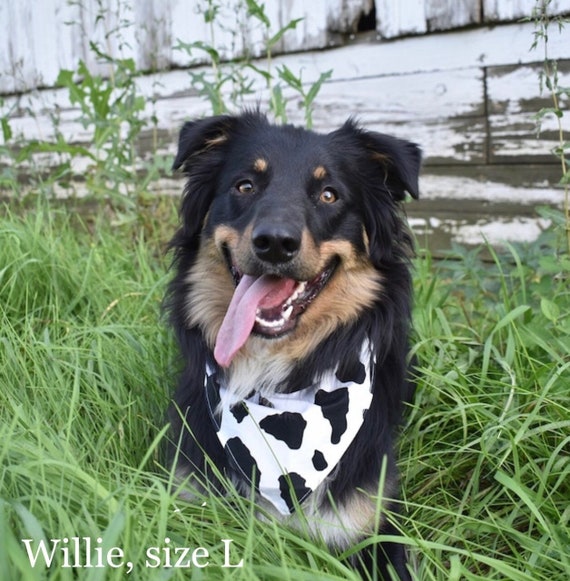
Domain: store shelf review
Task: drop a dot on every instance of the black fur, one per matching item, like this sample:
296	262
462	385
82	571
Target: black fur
373	171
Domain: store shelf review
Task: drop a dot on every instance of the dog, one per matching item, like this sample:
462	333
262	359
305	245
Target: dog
290	301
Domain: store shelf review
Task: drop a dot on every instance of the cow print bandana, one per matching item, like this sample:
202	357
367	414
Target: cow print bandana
285	445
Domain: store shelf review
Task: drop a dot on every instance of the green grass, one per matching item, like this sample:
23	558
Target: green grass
86	368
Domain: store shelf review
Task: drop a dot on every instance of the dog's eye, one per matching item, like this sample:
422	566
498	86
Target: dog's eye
328	196
245	187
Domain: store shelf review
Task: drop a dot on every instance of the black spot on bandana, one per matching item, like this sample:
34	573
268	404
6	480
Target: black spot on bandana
293	483
334	406
239	411
319	461
288	427
353	372
241	459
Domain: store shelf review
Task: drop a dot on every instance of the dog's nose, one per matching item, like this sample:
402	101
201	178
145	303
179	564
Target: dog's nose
274	243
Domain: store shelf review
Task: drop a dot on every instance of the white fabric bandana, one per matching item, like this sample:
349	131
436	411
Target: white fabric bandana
291	442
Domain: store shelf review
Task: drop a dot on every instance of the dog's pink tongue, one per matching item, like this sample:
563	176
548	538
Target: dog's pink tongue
250	294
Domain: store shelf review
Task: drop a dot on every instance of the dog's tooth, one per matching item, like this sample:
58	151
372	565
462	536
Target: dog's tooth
286	313
298	292
271	324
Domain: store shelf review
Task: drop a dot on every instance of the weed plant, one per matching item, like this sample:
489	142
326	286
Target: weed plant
231	84
544	22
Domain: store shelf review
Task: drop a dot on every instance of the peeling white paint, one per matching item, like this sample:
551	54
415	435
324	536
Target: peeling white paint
498	232
458	188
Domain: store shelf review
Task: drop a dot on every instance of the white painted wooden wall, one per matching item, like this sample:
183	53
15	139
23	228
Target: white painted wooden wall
40	37
469	96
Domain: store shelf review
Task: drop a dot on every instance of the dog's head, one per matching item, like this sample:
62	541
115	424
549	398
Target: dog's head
290	229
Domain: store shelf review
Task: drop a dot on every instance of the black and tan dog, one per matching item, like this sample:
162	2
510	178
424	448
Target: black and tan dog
291	304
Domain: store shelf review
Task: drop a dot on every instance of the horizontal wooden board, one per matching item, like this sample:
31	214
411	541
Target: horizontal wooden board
420	96
502	45
484	190
518	89
516	139
516	94
472	49
537	176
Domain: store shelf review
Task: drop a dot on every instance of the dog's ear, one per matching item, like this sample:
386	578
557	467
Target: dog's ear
401	161
199	136
396	161
201	155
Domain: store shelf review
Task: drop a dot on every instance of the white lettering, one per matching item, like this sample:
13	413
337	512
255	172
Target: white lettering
227	544
47	557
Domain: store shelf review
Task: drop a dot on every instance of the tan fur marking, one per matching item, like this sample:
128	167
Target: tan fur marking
239	244
366	240
212	290
226	235
344	523
215	141
319	173
380	157
260	165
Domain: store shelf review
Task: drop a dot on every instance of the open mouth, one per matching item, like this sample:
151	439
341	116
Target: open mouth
273	320
265	305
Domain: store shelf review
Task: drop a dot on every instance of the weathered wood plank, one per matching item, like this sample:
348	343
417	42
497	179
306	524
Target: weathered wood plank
456	50
471	48
400	18
515	139
106	24
501	10
343	15
420	16
517	89
312	31
444	111
444	141
154	35
485	191
537	176
483	210
397	98
515	97
226	33
29	57
495	226
448	14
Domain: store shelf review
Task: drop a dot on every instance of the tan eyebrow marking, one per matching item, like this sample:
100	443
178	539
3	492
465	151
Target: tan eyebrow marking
260	165
319	173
